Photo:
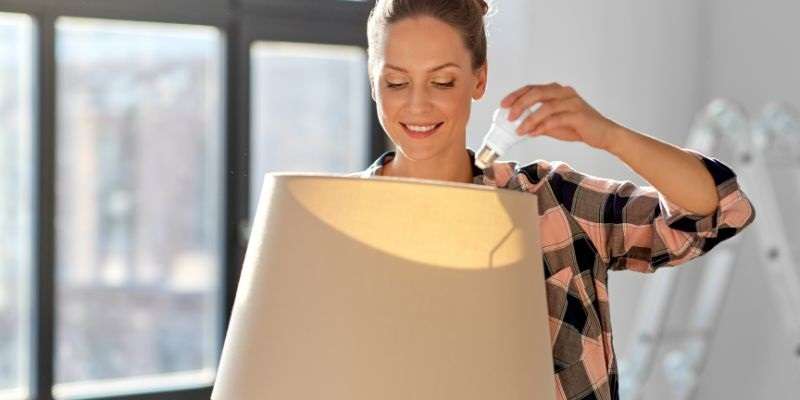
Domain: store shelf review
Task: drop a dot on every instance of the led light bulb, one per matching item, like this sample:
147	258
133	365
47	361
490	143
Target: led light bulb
501	136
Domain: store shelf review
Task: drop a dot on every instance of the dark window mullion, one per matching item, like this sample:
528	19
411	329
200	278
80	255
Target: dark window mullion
285	28
378	142
178	394
353	12
183	12
200	12
236	178
43	290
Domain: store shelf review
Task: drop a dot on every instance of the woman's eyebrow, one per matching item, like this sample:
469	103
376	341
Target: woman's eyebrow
450	64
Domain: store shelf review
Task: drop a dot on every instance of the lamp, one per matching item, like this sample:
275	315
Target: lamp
389	288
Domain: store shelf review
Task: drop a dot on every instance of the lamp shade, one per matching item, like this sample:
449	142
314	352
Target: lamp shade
388	288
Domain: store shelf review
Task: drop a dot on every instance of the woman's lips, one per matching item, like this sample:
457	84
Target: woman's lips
421	135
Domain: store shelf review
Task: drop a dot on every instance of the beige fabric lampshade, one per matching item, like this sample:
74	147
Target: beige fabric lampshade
389	288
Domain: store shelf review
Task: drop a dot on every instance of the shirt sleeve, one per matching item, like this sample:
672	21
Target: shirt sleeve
637	228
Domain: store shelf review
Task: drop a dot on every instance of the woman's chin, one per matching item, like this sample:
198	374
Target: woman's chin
417	152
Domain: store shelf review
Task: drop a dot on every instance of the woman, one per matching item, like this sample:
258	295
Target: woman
427	62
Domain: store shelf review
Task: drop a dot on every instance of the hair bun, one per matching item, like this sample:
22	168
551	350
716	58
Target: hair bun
484	6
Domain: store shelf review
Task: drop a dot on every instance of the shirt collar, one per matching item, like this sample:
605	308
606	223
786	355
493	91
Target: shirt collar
377	165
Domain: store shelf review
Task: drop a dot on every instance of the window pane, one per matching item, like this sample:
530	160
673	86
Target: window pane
16	67
310	107
138	204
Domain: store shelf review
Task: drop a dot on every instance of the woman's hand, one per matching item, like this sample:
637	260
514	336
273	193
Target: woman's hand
564	115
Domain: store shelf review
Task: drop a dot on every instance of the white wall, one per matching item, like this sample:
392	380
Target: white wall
650	64
752	50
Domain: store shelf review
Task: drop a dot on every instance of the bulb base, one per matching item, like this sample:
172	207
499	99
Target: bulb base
485	157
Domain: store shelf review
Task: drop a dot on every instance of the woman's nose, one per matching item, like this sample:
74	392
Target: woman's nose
420	99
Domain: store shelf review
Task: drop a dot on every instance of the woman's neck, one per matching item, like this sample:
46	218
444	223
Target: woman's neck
451	166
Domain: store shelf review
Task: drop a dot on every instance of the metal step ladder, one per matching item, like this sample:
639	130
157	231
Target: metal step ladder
722	125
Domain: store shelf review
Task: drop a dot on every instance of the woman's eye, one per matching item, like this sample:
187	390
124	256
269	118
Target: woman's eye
442	84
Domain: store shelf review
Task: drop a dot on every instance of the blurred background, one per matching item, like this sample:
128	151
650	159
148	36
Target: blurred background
134	136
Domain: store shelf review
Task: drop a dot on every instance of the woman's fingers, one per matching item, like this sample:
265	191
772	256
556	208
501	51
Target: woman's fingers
559	126
565	134
538	93
563	115
558	121
548	108
512	97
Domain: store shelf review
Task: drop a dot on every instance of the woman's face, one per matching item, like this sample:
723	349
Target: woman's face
424	77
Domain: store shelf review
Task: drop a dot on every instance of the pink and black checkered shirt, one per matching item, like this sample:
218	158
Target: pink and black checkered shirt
590	225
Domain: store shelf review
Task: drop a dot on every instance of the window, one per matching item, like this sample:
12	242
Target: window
133	142
138	205
310	107
16	201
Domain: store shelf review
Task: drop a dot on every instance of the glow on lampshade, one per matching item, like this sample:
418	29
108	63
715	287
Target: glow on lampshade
389	288
485	227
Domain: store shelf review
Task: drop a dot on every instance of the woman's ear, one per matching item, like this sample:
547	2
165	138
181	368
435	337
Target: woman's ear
481	76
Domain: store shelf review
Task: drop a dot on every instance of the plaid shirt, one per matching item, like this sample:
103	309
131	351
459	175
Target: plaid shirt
589	225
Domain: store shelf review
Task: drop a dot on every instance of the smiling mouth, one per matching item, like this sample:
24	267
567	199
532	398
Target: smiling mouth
421	131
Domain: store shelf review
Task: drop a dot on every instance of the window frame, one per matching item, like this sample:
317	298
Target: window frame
241	22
